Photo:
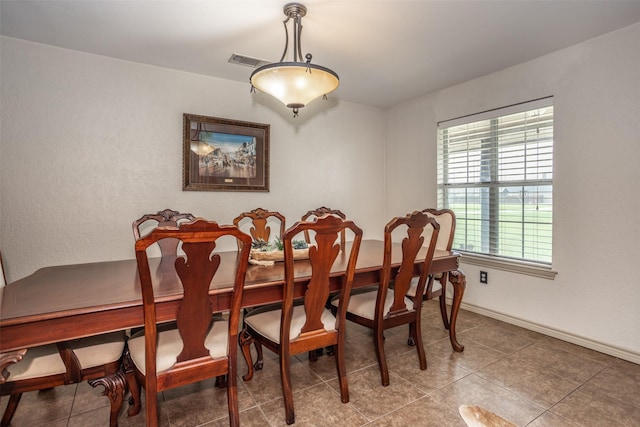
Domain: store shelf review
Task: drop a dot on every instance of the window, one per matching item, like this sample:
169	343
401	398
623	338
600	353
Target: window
495	171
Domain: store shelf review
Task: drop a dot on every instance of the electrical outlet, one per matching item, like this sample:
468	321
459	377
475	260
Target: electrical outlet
484	277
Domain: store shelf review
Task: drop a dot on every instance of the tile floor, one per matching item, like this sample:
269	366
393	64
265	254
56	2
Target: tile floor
527	378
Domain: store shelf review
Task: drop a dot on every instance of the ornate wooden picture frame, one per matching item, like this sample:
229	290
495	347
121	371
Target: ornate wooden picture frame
224	155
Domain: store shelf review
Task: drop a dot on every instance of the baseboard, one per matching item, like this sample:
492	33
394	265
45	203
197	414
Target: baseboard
565	336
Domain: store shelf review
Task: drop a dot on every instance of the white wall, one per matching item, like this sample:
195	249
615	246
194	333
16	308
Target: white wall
596	88
90	143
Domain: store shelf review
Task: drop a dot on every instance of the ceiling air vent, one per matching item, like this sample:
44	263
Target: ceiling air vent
247	61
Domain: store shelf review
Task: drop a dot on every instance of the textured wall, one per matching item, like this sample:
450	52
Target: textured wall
596	89
89	143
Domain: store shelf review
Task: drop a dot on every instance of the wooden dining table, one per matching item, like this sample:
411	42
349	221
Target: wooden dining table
66	302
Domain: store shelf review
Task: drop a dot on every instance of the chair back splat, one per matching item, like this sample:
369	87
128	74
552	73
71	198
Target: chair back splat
198	345
260	220
165	218
322	211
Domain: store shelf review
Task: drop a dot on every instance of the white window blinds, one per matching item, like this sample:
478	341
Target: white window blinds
495	171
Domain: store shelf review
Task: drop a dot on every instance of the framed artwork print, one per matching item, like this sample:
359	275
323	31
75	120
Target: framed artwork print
224	155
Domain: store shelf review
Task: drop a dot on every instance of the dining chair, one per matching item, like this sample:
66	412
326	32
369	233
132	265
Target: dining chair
94	359
388	306
437	284
259	222
317	213
198	345
168	247
321	211
308	325
168	217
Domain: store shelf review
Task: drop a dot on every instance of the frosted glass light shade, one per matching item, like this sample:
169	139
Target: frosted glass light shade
295	84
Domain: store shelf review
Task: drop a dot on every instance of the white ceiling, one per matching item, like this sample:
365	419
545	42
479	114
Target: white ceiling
385	52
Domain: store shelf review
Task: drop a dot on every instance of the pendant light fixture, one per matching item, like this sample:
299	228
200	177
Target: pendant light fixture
296	83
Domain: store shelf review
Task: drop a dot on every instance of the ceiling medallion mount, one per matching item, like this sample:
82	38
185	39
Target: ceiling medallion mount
294	83
291	10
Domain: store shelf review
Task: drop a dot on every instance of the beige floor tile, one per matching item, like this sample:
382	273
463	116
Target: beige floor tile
549	419
252	417
96	417
439	373
89	398
433	330
620	382
589	406
474	390
475	355
40	408
197	403
568	347
139	419
266	385
535	384
324	367
372	400
566	364
360	347
424	412
500	336
359	353
314	406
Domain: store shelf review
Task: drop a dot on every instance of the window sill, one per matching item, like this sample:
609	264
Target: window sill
521	267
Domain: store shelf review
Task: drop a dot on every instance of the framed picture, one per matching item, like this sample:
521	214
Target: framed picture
224	155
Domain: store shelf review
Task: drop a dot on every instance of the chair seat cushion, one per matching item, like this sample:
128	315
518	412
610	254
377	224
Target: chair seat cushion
99	350
364	304
169	346
414	285
38	362
267	323
45	360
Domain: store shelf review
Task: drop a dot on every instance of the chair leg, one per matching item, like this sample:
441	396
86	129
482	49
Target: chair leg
342	373
419	345
221	381
443	300
135	403
287	393
232	401
245	339
151	406
443	308
10	411
114	387
410	341
378	341
259	356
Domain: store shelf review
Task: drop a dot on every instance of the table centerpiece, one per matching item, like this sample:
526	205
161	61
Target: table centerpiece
263	251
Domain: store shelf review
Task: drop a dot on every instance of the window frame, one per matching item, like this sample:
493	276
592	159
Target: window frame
487	176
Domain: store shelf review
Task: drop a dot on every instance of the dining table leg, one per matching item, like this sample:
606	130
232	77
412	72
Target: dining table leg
115	387
459	282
